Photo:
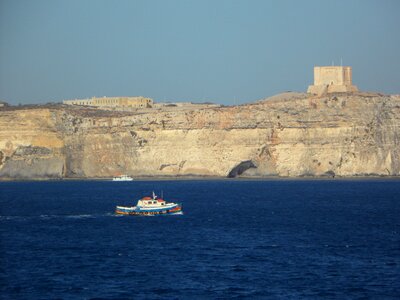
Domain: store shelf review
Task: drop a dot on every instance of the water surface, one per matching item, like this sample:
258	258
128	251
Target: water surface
257	239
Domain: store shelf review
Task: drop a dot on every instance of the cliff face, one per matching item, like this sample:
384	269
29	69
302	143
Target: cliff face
343	134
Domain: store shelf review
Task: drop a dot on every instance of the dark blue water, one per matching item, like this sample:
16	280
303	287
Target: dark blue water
255	239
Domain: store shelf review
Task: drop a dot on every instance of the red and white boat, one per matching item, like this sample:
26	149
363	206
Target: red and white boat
150	206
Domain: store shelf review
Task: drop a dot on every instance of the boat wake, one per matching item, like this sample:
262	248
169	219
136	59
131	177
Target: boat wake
48	217
77	216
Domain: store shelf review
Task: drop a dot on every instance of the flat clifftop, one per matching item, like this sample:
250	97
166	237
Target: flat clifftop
291	134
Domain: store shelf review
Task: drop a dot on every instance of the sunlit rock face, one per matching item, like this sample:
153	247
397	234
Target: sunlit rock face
287	135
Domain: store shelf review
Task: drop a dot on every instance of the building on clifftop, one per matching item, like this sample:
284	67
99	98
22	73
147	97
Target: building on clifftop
3	104
332	79
132	102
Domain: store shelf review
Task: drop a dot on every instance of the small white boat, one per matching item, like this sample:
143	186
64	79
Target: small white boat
123	178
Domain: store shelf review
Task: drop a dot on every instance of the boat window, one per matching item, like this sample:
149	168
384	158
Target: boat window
162	203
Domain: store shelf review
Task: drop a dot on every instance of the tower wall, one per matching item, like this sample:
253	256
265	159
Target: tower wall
332	79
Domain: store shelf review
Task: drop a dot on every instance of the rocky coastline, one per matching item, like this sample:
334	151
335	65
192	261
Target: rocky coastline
291	135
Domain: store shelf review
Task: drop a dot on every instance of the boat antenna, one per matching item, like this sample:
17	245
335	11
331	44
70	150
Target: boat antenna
162	194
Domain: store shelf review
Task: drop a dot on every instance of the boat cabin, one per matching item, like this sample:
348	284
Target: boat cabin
148	201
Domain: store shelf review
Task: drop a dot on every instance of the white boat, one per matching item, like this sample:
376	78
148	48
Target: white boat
123	178
150	206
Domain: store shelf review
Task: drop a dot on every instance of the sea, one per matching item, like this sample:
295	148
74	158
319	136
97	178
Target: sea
237	239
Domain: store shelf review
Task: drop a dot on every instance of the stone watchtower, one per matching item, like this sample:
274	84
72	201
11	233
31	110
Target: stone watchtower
332	79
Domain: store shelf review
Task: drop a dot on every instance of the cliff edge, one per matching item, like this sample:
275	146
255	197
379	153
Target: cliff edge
353	134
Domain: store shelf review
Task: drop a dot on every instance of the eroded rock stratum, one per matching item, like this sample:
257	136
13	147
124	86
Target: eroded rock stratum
334	135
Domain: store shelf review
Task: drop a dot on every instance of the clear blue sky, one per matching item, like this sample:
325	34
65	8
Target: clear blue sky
186	50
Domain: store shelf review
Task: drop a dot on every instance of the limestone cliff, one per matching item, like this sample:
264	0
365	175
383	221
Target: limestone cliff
289	135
